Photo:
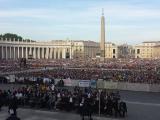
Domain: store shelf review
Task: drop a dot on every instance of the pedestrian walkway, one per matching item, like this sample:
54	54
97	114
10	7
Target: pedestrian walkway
29	114
104	118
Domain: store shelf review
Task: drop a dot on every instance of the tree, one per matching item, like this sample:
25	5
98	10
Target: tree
14	36
11	36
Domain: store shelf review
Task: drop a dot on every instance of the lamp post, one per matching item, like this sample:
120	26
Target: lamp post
99	102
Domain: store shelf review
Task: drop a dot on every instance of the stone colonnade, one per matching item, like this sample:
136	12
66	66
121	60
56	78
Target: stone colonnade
36	50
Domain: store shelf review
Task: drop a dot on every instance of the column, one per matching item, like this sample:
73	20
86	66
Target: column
30	50
10	52
47	52
18	51
55	51
14	54
51	53
64	54
2	53
38	52
45	56
26	52
42	53
70	53
22	52
58	53
34	53
6	53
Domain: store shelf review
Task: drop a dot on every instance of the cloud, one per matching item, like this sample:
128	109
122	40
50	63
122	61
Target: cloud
123	20
127	11
111	10
37	13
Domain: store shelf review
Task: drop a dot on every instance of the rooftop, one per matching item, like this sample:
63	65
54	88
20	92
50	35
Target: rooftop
151	42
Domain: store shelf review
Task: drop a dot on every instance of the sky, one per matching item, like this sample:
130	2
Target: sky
127	21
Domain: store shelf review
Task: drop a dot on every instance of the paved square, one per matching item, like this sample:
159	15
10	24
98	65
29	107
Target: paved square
30	114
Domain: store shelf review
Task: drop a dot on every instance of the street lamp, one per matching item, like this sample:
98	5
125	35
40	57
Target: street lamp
99	101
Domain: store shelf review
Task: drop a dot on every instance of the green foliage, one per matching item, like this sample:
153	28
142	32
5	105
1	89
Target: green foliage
13	36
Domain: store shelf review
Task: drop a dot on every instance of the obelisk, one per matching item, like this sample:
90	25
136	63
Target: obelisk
102	42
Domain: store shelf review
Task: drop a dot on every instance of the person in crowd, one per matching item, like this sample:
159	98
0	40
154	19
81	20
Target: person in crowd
13	105
1	100
12	116
115	107
85	109
61	83
70	105
122	108
109	105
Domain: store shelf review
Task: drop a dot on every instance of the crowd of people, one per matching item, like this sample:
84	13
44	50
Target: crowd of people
132	64
131	76
83	101
133	70
12	65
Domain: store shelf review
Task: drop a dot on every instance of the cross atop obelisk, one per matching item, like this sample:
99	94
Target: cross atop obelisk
102	11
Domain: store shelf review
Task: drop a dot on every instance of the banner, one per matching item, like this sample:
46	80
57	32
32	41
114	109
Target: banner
84	83
100	83
93	84
111	85
67	82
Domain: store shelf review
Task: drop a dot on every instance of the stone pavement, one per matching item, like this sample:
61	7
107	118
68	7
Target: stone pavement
141	106
30	114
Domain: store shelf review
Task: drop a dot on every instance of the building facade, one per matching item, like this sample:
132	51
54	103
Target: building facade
111	50
126	51
148	49
56	49
85	49
156	52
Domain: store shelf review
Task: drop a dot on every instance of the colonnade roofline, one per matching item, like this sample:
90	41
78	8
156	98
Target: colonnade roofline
58	49
48	43
28	40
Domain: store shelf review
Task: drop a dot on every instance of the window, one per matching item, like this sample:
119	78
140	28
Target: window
67	55
114	51
138	51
